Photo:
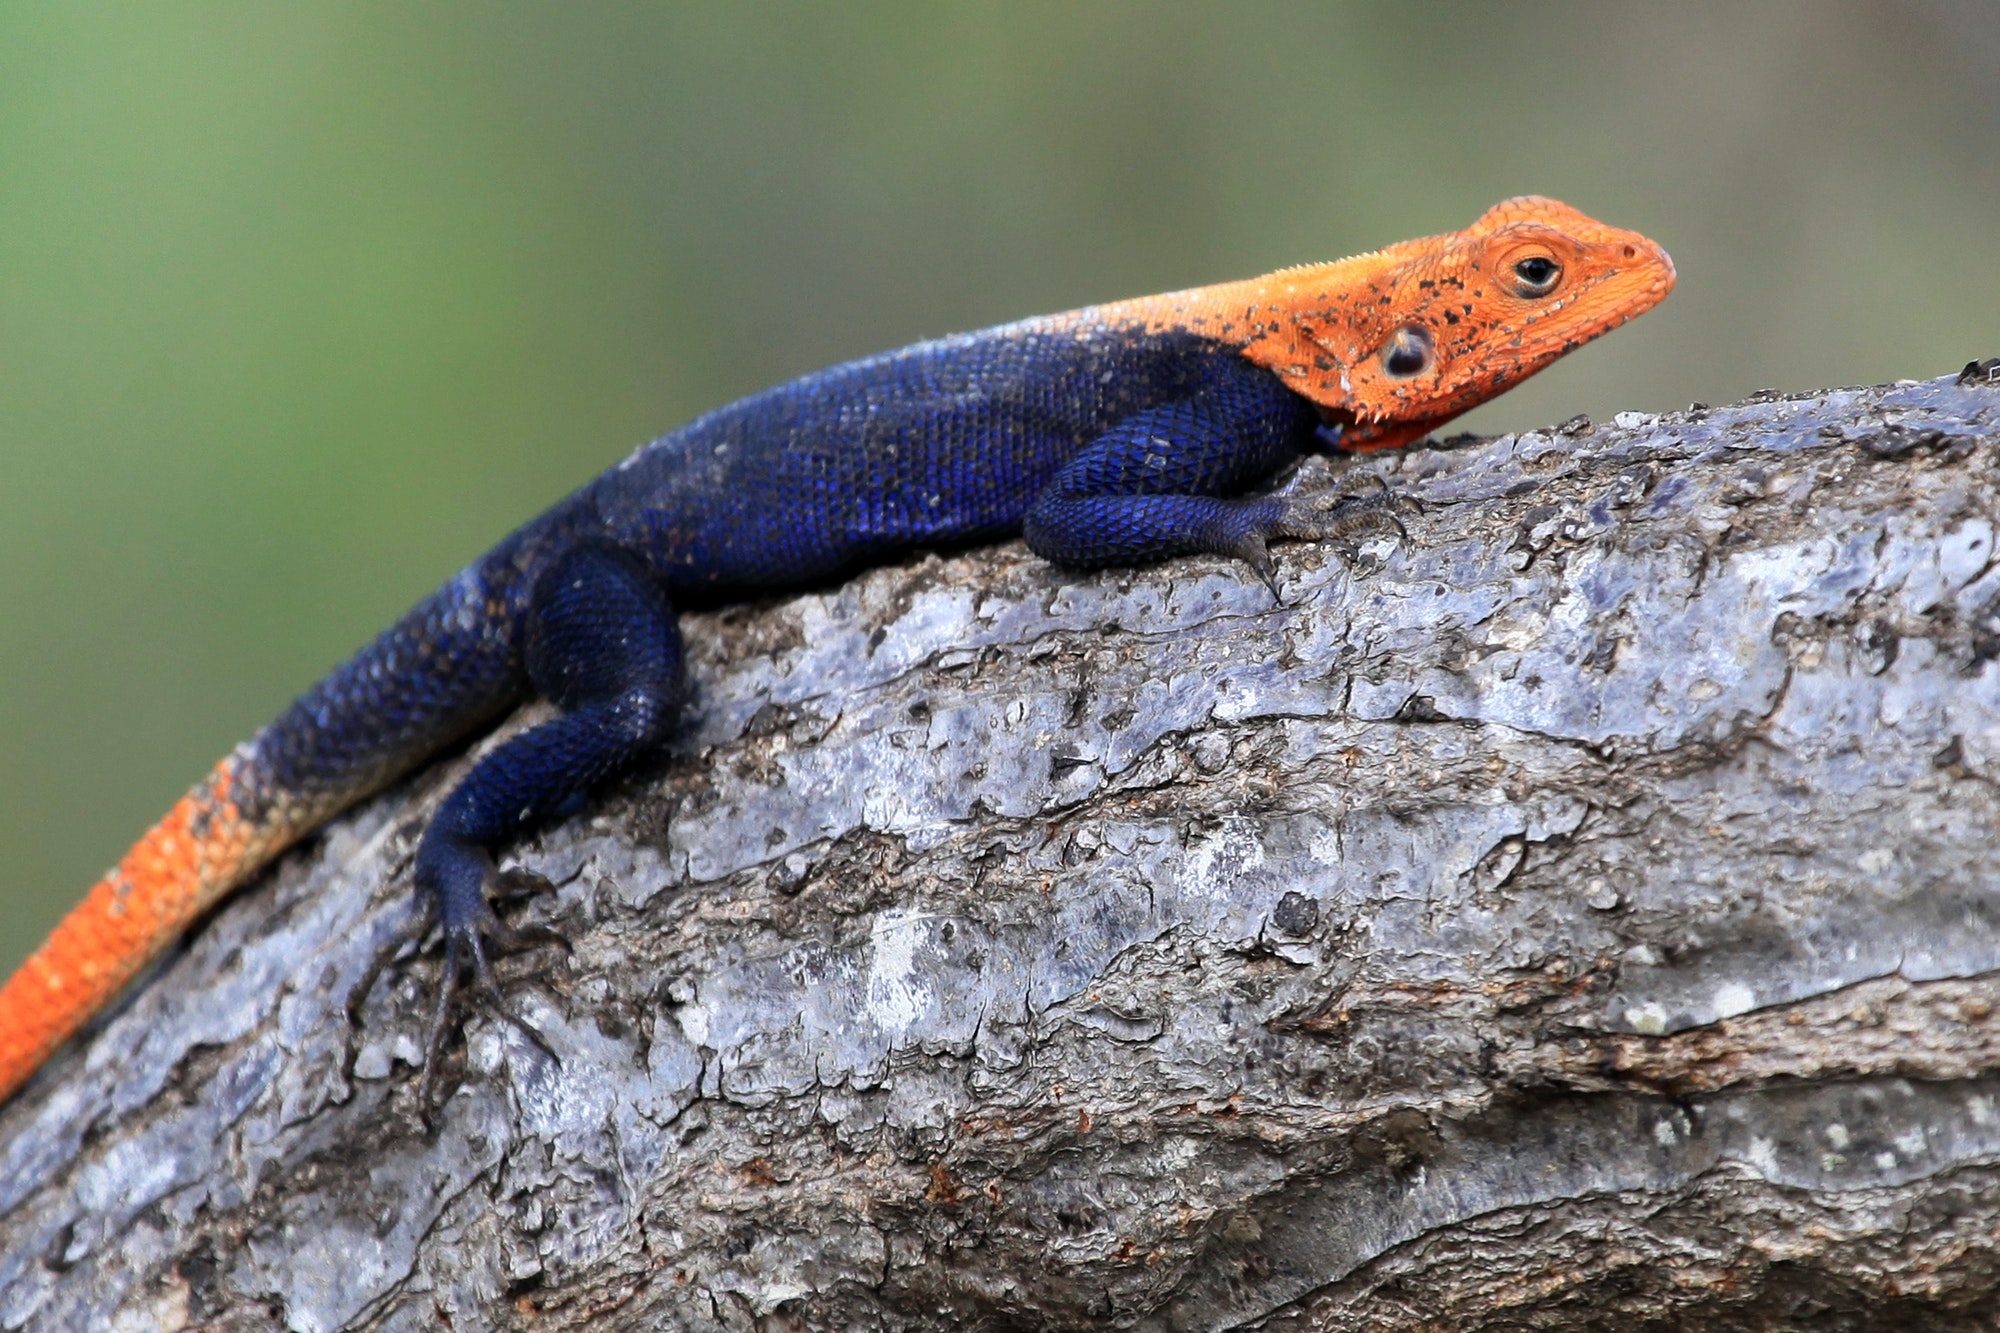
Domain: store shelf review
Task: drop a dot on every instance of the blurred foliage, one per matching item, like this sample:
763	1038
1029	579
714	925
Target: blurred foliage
301	306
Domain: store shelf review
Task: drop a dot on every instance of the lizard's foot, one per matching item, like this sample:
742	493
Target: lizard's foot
465	951
1335	514
469	944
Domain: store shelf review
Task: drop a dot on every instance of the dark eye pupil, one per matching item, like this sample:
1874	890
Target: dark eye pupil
1536	272
1408	352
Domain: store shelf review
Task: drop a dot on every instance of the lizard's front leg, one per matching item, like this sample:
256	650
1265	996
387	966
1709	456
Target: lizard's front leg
1160	482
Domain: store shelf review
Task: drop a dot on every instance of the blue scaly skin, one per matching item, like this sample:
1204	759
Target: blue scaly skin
1114	435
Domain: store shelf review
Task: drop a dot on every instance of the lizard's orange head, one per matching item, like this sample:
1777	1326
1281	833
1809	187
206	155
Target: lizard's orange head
1393	344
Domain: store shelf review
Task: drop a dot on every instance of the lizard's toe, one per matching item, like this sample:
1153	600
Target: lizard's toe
515	884
1330	514
528	935
467	975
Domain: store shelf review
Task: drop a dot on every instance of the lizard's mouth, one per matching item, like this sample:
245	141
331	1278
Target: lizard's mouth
1342	429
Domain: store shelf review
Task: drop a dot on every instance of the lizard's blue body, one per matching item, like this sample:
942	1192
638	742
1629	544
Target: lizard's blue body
1116	434
1107	445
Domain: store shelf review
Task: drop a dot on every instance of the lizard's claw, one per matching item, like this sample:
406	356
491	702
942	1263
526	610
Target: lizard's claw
1253	550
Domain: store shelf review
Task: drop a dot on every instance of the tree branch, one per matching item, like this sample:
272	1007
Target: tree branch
1583	913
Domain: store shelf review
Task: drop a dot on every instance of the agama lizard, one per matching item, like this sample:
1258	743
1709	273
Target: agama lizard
1116	434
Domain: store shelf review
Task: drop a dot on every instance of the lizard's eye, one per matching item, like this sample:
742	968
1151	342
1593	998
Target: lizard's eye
1537	275
1408	352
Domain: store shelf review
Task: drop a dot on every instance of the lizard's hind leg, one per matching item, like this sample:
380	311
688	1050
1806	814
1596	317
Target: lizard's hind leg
603	645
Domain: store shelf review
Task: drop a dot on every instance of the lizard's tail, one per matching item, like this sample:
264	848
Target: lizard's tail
440	672
202	849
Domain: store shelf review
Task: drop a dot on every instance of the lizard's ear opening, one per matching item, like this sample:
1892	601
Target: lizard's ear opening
1409	352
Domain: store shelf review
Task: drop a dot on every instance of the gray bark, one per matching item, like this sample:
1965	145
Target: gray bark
1580	915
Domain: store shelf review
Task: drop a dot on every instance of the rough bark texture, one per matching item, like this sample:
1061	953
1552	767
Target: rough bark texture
1581	916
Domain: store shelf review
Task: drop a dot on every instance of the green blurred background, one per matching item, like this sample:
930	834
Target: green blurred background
303	305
